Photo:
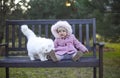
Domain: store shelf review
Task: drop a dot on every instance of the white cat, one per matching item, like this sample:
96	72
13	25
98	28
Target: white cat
37	46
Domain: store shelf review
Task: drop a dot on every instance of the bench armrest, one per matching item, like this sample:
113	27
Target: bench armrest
100	48
100	44
3	44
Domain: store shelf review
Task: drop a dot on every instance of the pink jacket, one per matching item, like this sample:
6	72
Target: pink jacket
68	45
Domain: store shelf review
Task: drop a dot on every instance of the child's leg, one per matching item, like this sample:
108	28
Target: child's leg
59	57
64	56
68	56
76	56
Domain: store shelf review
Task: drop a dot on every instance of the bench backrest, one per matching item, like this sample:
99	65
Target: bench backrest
84	30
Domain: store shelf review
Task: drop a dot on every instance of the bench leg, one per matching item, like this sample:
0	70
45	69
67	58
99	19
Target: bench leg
94	72
7	72
101	62
101	71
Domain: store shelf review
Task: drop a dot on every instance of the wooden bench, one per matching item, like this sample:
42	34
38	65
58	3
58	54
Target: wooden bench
16	52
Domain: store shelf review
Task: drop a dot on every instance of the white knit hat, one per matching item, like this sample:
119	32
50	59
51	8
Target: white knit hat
64	24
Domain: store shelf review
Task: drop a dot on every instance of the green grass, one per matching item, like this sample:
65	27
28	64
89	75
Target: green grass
49	73
113	54
111	68
112	61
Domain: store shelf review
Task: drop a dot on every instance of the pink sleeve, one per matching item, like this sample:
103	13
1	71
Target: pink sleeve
79	45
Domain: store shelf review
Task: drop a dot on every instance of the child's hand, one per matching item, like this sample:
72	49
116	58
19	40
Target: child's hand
86	51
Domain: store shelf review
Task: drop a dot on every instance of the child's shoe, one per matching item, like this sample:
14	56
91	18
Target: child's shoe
53	56
77	56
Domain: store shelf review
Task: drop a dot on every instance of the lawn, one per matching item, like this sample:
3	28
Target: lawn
111	68
112	61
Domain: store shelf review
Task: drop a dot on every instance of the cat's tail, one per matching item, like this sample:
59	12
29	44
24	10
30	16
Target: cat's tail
24	28
27	32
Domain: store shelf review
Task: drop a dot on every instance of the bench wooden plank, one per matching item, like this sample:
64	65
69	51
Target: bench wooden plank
25	62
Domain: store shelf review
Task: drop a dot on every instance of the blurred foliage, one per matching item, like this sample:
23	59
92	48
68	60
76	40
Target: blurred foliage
106	12
51	9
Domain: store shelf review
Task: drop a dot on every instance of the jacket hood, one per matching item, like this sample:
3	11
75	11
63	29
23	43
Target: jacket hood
64	24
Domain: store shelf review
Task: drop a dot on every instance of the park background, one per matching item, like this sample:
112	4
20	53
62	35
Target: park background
106	12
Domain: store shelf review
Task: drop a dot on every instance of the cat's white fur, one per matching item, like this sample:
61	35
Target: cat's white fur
37	46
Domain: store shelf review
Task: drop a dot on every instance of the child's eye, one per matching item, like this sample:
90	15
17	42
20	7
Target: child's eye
58	31
64	31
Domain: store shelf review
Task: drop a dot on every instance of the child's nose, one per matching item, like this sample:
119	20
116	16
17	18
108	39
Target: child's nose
61	32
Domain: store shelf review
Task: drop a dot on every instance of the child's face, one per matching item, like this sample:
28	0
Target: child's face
62	32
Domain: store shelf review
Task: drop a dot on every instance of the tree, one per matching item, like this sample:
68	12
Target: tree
107	13
3	12
114	22
10	10
51	9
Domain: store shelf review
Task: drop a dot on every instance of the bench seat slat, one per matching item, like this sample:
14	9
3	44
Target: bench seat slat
25	62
